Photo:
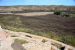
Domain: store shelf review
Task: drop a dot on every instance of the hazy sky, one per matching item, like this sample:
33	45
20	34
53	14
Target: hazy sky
37	2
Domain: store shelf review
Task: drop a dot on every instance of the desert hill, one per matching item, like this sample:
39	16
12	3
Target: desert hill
35	8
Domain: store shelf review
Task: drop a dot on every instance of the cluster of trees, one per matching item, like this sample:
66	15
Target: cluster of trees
62	13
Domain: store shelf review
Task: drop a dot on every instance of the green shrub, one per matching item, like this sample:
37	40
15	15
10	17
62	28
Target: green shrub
57	13
44	40
66	15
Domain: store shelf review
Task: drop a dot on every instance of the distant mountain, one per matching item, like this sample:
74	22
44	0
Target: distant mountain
31	8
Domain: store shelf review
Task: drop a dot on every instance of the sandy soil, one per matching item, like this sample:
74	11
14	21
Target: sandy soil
34	13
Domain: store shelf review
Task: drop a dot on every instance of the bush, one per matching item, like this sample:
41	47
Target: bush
44	40
66	15
57	13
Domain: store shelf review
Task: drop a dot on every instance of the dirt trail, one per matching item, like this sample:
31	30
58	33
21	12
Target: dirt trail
29	13
34	13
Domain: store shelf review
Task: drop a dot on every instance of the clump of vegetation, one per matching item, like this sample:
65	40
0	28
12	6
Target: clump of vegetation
13	35
18	29
66	15
62	13
57	12
44	40
68	39
20	41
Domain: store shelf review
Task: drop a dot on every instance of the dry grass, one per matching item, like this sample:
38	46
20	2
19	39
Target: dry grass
52	26
20	41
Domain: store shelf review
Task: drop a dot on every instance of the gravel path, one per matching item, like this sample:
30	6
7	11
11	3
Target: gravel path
30	13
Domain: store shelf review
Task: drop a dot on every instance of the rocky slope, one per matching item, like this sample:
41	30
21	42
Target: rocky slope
31	42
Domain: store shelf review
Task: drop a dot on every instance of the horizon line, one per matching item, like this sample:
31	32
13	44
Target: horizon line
37	5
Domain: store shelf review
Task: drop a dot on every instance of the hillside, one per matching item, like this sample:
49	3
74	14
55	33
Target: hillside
10	40
36	8
52	26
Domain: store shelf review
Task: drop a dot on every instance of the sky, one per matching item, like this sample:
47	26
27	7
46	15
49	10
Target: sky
37	2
